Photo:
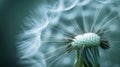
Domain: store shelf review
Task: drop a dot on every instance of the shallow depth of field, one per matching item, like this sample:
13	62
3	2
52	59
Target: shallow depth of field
41	42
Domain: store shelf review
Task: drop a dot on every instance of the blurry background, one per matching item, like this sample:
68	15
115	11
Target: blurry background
12	15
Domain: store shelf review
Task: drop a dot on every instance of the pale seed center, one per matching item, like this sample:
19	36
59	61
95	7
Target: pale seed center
87	39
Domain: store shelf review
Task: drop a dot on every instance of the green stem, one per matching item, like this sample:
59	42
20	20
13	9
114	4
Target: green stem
79	61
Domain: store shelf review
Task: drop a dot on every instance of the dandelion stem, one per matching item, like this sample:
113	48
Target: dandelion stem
79	61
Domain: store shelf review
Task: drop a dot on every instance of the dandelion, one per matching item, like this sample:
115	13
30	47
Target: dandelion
76	35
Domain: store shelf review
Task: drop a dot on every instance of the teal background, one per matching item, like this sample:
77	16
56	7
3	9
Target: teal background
12	14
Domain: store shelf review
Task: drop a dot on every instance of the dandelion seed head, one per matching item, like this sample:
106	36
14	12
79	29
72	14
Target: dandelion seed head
87	39
69	20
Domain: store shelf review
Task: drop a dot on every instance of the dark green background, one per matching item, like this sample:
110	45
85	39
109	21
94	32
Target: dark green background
12	14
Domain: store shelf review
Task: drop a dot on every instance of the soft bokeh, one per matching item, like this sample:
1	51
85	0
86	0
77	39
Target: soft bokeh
45	28
68	18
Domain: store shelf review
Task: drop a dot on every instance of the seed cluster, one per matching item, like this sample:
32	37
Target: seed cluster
87	39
